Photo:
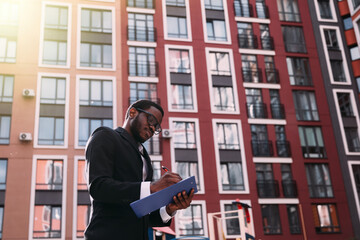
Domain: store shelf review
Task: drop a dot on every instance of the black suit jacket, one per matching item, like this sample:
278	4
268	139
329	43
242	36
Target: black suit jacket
114	171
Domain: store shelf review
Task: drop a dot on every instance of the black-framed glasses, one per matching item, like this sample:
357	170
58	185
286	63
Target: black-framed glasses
151	120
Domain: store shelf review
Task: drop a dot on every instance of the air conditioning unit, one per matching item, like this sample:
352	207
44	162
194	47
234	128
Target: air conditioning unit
166	133
28	92
25	136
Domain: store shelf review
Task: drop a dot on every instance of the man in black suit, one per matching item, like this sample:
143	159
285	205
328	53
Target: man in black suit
119	172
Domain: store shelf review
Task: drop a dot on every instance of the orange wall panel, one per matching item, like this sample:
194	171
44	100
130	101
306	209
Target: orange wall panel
350	37
343	8
356	68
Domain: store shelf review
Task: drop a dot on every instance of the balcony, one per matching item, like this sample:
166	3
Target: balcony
253	75
300	80
289	188
243	10
313	152
283	148
134	99
141	3
141	34
143	68
289	16
267	188
272	75
247	41
256	110
267	43
262	148
277	111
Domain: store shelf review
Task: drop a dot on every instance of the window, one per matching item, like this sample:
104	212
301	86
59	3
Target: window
55	35
305	106
140	90
141	27
250	70
282	145
9	13
358	83
325	9
1	220
47	221
312	142
227	138
293	217
348	23
255	106
345	106
179	61
190	221
52	111
232	225
3	174
319	182
184	135
177	3
214	4
6	98
156	169
82	220
352	138
294	39
5	129
338	70
299	71
96	38
271	73
96	106
267	42
6	88
83	200
220	63
246	37
267	187
176	27
7	49
288	10
261	146
331	39
242	8
141	3
355	3
356	175
261	9
216	30
287	182
49	175
326	219
355	53
142	62
271	219
277	109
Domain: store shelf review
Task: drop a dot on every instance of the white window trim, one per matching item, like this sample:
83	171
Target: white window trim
243	157
266	121
113	37
32	194
77	103
356	24
333	12
222	209
75	196
262	85
198	147
102	0
204	217
140	10
227	27
42	30
66	116
351	7
339	117
233	77
252	19
278	201
188	23
143	79
341	46
352	178
141	44
192	72
272	160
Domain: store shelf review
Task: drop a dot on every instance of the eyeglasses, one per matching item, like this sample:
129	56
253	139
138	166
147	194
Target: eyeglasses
151	120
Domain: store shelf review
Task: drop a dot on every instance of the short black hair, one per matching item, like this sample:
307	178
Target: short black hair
144	104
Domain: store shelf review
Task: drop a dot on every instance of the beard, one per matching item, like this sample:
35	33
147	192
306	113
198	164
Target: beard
135	129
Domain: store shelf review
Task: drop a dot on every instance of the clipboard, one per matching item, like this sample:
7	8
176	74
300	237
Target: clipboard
162	198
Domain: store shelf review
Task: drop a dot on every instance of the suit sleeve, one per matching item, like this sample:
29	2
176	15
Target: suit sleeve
155	220
100	157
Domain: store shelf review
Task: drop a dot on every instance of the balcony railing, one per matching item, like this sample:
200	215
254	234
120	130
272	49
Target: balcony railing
268	188
143	69
141	3
134	99
243	10
141	34
272	75
247	41
277	111
253	75
289	16
300	80
256	110
262	148
289	188
314	152
283	148
267	43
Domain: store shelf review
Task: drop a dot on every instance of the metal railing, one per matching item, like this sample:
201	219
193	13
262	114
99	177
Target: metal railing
253	75
262	148
289	188
141	34
267	188
143	69
256	110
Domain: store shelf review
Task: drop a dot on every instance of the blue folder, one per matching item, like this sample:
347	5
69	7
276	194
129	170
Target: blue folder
162	198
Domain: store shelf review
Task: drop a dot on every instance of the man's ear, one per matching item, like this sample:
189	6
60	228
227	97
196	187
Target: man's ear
132	113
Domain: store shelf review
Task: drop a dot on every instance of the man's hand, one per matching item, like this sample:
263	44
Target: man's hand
181	201
166	180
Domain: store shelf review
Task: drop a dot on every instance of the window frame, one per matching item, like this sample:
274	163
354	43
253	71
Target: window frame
316	188
353	184
322	154
301	113
282	14
332	9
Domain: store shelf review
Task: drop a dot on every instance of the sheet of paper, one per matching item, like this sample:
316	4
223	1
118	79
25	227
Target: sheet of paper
162	198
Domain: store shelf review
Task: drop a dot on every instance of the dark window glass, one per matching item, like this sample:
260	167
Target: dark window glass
191	221
232	224
3	174
324	8
331	39
246	37
312	143
352	138
344	102
288	10
305	106
356	173
250	70
319	182
338	72
299	71
293	216
294	39
255	106
271	219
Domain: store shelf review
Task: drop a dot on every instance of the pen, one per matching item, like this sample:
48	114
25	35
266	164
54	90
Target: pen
165	169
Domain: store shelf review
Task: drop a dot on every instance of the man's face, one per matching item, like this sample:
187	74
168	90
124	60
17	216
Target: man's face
140	127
